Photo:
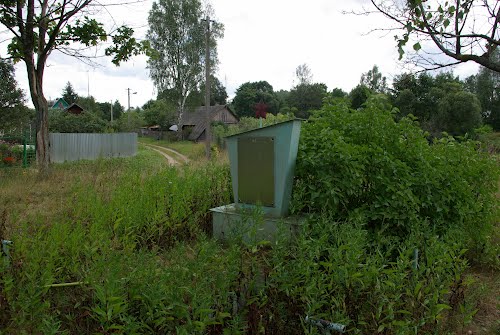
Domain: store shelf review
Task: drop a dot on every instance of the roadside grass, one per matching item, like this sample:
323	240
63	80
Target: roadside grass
114	246
194	151
129	240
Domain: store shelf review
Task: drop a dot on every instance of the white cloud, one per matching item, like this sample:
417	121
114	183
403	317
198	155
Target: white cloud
264	40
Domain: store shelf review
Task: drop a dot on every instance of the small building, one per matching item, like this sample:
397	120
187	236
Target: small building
74	109
60	104
195	122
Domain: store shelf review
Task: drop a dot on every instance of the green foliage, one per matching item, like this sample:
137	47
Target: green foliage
336	273
458	113
13	113
306	97
128	244
15	151
251	93
86	122
177	36
69	94
359	95
440	103
374	80
125	45
160	112
338	93
364	163
51	25
196	98
127	256
449	26
130	121
486	85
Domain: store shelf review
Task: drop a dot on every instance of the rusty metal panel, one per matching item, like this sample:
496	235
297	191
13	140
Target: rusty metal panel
256	170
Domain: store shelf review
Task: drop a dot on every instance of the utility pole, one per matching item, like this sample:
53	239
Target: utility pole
128	110
208	132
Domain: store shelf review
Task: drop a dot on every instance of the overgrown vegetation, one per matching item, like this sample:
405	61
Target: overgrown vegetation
392	224
362	163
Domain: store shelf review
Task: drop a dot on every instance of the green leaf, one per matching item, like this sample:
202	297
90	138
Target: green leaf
417	46
446	23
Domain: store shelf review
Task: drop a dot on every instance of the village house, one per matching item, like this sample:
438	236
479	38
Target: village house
194	123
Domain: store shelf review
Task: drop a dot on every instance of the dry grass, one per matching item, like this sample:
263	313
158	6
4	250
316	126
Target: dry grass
26	198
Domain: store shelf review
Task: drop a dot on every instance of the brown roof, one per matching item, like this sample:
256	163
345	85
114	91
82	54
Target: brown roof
198	119
74	108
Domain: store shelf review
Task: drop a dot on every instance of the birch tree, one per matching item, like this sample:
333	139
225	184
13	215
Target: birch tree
177	38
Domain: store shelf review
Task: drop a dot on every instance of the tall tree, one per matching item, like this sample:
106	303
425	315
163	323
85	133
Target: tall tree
177	36
304	74
338	93
69	94
12	110
486	85
218	95
374	80
441	103
458	112
161	113
359	95
461	30
251	93
40	27
306	97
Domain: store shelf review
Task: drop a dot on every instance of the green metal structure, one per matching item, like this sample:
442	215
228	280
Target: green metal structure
262	163
17	150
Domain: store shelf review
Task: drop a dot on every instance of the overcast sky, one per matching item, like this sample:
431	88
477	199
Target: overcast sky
263	40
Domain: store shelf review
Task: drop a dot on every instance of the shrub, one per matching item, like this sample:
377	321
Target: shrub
362	163
334	273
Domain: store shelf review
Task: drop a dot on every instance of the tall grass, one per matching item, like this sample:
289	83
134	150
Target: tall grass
123	246
113	236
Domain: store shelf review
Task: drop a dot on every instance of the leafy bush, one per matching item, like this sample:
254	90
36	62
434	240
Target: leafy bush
64	122
365	164
335	273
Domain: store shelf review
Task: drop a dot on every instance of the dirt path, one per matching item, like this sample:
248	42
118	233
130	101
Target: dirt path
171	160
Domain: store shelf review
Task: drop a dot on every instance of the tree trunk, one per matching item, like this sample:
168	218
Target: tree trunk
42	136
35	79
181	104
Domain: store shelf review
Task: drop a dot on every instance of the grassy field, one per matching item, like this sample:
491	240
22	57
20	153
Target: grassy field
96	232
122	246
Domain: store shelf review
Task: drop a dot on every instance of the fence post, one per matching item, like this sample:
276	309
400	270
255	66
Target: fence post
25	154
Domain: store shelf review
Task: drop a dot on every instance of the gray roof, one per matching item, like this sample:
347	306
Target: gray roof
193	118
198	119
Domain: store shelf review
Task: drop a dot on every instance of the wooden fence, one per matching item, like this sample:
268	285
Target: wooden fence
72	147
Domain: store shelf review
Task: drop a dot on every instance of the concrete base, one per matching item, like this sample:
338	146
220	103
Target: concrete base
251	224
